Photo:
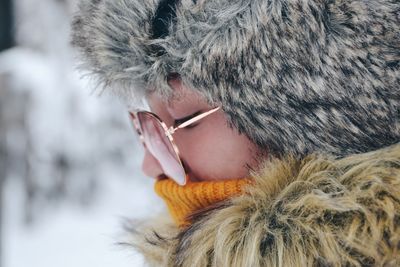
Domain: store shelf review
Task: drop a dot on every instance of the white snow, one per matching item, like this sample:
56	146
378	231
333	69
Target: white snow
64	233
72	236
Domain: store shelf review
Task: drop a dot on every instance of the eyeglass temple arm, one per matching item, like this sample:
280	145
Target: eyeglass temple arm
193	120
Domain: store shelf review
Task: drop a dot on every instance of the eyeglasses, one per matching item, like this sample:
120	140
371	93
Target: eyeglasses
157	138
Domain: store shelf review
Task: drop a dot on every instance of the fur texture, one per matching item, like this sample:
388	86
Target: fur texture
296	76
318	211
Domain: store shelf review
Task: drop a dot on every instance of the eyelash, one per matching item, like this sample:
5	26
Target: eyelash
177	123
191	126
182	120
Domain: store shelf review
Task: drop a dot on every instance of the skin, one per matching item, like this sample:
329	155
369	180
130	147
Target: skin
210	149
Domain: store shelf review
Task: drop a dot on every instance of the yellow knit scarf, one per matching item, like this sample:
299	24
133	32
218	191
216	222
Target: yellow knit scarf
184	200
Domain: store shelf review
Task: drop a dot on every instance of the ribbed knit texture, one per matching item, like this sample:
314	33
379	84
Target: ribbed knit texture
184	200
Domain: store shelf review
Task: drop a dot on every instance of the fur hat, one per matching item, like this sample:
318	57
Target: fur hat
295	76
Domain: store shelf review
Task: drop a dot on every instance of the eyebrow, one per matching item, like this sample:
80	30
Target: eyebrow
182	120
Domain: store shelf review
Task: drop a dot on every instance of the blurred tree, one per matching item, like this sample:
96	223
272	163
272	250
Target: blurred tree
6	41
3	154
6	24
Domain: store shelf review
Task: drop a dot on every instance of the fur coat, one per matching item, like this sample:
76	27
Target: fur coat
317	211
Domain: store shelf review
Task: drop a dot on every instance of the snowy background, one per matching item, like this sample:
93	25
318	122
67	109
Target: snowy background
69	161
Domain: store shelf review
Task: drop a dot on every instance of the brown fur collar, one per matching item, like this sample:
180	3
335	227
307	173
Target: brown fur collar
317	211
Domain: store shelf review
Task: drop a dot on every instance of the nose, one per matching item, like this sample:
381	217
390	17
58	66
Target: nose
150	165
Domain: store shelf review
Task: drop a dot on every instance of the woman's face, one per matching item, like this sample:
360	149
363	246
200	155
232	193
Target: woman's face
209	148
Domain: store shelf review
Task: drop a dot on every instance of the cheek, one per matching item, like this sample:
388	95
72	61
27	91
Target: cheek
234	152
216	153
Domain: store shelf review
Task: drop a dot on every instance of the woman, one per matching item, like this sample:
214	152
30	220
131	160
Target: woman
275	129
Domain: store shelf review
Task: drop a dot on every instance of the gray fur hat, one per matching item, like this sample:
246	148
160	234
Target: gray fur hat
295	76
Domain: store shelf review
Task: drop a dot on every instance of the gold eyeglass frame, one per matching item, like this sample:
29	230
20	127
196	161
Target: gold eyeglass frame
168	131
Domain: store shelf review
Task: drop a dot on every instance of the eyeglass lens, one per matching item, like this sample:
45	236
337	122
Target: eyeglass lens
161	147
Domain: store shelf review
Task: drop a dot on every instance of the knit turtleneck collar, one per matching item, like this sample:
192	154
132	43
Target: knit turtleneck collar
184	200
